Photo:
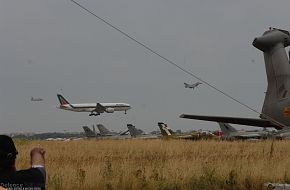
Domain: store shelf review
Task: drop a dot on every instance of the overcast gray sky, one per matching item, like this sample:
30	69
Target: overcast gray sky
53	46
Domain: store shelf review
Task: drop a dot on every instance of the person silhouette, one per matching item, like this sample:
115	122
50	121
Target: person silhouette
32	178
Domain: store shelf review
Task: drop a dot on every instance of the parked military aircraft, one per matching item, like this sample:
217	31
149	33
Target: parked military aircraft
106	132
133	131
230	133
94	108
193	86
36	99
282	134
276	107
138	133
90	133
169	133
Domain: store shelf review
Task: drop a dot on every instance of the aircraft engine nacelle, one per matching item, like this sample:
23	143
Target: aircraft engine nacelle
110	110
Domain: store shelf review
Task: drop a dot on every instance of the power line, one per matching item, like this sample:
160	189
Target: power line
174	64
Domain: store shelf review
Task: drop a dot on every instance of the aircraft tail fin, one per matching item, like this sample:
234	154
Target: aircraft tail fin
103	130
227	128
89	132
133	131
62	100
273	44
165	131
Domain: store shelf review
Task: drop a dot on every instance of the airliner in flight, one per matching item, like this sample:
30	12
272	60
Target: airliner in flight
94	109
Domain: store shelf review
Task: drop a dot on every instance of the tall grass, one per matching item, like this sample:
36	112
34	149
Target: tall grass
161	164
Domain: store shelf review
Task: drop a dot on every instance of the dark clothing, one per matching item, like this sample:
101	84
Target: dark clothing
7	148
30	179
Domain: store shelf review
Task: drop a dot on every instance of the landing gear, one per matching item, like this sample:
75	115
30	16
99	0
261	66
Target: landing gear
94	114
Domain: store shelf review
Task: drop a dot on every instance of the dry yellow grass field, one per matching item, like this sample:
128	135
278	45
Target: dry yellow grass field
161	164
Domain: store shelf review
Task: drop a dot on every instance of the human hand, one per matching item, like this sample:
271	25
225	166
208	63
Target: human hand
37	156
37	150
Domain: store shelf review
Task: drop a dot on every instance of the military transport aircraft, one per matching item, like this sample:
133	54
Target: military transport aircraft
276	107
94	108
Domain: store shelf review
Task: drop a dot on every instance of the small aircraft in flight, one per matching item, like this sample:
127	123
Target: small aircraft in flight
94	109
193	86
36	99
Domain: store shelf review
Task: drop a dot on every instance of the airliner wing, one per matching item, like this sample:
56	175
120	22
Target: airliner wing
100	108
233	120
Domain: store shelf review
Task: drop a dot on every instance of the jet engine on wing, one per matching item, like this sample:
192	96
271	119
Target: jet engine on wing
110	110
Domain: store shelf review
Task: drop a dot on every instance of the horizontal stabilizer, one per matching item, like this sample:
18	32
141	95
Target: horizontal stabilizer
233	120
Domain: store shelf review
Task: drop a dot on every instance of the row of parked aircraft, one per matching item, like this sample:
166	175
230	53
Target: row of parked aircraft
228	132
106	133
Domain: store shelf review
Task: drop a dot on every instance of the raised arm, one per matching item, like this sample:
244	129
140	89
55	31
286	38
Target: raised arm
37	157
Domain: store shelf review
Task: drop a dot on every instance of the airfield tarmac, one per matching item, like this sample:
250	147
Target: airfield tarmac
160	164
